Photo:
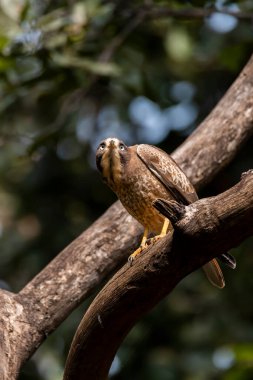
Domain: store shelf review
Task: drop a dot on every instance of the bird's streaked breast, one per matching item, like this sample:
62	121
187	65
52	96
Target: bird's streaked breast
111	167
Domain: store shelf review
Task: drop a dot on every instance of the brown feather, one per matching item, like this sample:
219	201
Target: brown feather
165	169
214	273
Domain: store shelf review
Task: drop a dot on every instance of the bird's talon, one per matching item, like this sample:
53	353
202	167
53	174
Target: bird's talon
152	240
147	243
130	260
132	257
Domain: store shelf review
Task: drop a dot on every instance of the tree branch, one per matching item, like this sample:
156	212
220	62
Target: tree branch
221	135
49	298
207	228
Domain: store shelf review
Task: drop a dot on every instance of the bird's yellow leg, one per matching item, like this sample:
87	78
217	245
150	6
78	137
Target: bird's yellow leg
141	247
163	232
145	241
164	227
144	237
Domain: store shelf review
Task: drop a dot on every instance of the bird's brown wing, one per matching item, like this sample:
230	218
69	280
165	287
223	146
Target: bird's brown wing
165	169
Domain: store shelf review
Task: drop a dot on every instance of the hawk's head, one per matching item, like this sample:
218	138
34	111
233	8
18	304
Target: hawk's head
111	157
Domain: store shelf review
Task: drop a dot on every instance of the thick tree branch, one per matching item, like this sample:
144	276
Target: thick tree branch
221	134
49	298
205	229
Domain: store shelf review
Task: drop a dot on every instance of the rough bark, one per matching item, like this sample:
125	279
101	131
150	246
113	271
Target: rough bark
207	227
48	299
221	134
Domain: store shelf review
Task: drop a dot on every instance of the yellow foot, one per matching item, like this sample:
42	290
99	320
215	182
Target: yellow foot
148	242
132	257
154	239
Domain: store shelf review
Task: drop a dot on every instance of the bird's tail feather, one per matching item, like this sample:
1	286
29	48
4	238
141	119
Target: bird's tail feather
214	273
228	259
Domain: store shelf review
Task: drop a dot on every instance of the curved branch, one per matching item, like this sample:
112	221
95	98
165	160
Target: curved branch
50	297
210	226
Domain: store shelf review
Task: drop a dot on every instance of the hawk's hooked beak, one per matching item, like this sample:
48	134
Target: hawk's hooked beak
112	144
112	153
110	164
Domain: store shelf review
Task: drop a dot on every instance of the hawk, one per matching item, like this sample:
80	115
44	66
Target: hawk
139	175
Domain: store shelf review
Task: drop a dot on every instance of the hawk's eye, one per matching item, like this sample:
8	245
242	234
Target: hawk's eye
102	146
121	146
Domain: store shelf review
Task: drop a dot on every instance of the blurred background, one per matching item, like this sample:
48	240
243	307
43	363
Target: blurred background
74	72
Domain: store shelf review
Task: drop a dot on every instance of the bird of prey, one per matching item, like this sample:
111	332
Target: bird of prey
139	175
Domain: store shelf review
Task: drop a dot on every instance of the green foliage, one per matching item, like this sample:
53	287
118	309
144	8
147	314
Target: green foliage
72	73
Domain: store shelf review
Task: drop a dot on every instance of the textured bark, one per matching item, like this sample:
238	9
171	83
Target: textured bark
48	299
208	225
220	136
27	318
